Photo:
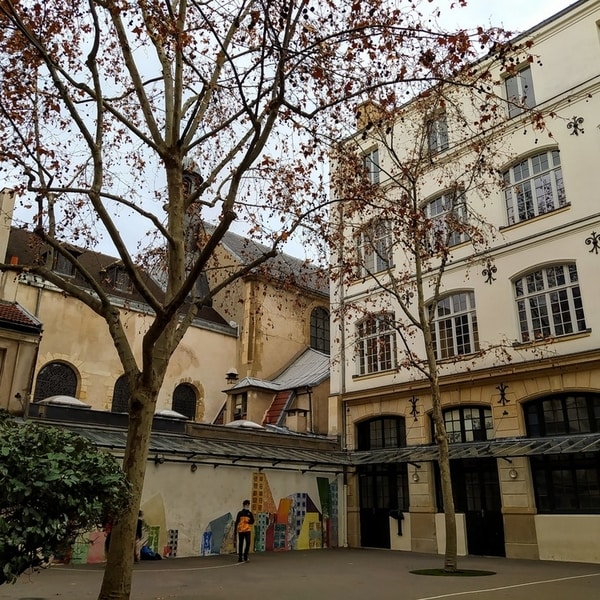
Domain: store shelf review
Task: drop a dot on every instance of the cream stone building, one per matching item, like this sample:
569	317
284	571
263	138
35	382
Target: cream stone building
523	419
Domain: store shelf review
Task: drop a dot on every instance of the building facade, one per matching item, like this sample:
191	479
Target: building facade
514	326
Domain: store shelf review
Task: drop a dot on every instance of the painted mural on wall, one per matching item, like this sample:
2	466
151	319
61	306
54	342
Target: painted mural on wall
293	523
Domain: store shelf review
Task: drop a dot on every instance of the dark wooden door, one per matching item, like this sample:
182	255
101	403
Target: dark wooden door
477	495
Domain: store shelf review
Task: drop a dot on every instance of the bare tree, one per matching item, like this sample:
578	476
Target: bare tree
179	111
411	188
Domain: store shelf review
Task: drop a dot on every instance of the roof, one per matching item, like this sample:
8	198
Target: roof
216	452
29	249
500	448
14	317
283	267
228	450
220	451
308	370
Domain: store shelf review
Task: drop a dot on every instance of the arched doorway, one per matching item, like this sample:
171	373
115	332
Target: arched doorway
475	482
383	487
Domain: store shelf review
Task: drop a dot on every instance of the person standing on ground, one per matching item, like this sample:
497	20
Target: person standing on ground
243	526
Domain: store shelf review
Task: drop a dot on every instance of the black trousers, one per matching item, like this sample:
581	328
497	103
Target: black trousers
243	544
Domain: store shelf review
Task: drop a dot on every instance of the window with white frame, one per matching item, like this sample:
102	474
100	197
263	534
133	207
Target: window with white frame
534	187
519	92
437	133
374	245
447	213
549	303
376	344
454	326
371	164
468	424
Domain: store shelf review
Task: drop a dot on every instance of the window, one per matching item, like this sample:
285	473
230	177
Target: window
55	379
382	486
319	329
371	164
381	432
519	92
376	344
563	414
454	326
534	187
437	134
375	248
121	395
565	483
184	400
468	424
549	303
118	278
448	214
63	266
240	406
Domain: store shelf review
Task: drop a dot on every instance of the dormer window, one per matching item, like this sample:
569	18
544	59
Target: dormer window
62	266
118	278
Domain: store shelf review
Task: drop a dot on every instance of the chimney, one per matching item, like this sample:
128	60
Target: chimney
7	204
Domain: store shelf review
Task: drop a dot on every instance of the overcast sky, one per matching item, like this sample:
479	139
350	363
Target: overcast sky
517	15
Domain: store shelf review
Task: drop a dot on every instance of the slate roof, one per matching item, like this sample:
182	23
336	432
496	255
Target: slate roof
28	249
16	318
309	370
284	267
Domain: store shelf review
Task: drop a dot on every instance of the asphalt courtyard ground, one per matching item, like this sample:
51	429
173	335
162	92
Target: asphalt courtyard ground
321	575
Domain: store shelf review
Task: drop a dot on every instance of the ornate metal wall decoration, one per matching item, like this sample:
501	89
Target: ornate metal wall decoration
414	411
575	124
502	389
407	297
488	272
593	241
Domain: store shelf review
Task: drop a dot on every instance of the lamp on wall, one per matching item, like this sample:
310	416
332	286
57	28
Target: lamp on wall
193	467
513	473
159	459
231	376
415	475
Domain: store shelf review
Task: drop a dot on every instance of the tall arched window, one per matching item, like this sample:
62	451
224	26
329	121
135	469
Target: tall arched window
454	327
184	400
319	329
54	379
549	303
534	187
121	394
565	482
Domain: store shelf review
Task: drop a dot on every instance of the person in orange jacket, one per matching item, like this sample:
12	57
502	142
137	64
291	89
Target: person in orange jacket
243	526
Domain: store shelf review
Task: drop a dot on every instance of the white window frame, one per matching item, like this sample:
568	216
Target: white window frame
534	186
437	133
374	247
519	92
549	303
376	344
454	326
442	210
371	164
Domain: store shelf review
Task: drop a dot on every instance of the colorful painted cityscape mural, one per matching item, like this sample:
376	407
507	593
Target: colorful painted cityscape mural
294	523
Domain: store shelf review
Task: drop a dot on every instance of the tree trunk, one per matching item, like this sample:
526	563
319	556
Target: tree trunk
116	584
441	438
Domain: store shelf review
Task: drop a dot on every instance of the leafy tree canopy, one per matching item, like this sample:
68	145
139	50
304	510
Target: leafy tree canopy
54	484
